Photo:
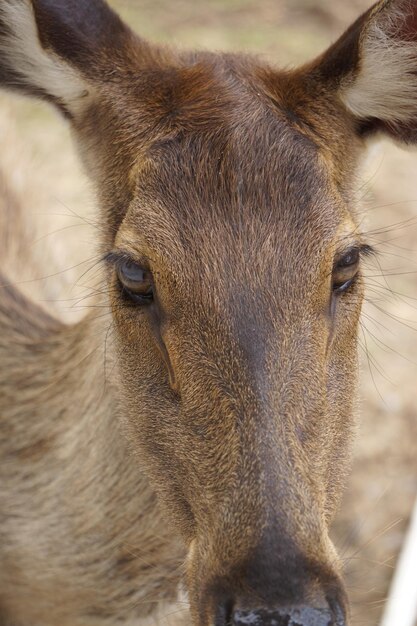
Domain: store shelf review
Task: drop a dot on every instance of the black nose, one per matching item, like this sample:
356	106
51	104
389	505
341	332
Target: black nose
303	616
299	616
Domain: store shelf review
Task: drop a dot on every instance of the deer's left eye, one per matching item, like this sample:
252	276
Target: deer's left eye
136	281
345	271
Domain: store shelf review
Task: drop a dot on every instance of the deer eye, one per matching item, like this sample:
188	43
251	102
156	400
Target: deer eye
136	282
345	271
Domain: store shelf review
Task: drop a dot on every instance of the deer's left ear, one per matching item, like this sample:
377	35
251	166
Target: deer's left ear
60	50
373	69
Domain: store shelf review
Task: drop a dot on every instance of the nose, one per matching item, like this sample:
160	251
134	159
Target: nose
296	616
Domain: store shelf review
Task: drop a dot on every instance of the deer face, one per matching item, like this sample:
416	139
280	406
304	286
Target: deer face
236	291
233	263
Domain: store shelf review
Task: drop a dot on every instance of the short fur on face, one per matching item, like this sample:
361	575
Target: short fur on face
233	185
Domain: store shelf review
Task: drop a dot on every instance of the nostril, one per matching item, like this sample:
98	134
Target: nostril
224	614
337	612
300	616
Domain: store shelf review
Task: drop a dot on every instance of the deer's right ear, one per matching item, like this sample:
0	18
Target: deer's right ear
58	49
373	70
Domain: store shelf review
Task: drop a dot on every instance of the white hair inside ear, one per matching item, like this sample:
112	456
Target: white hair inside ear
386	85
36	68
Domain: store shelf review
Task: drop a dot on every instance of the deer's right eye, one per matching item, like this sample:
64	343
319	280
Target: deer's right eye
136	282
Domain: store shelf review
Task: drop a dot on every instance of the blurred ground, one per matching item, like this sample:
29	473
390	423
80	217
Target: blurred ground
370	526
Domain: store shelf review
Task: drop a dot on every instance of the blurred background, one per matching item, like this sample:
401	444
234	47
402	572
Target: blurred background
38	156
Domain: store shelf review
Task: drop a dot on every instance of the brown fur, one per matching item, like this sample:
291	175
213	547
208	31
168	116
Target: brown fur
235	184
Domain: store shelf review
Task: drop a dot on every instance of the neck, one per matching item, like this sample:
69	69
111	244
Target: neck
92	526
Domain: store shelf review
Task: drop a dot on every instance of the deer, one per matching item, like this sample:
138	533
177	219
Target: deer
207	461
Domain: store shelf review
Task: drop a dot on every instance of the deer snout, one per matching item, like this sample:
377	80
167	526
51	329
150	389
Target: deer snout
286	590
321	610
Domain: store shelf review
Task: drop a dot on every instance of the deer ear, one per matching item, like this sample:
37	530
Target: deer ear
373	67
58	49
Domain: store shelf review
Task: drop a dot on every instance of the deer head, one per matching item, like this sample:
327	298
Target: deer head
232	256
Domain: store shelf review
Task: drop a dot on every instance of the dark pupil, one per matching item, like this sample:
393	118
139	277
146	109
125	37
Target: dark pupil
351	258
136	281
133	273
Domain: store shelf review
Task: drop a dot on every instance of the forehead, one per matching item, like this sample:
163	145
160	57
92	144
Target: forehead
229	161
